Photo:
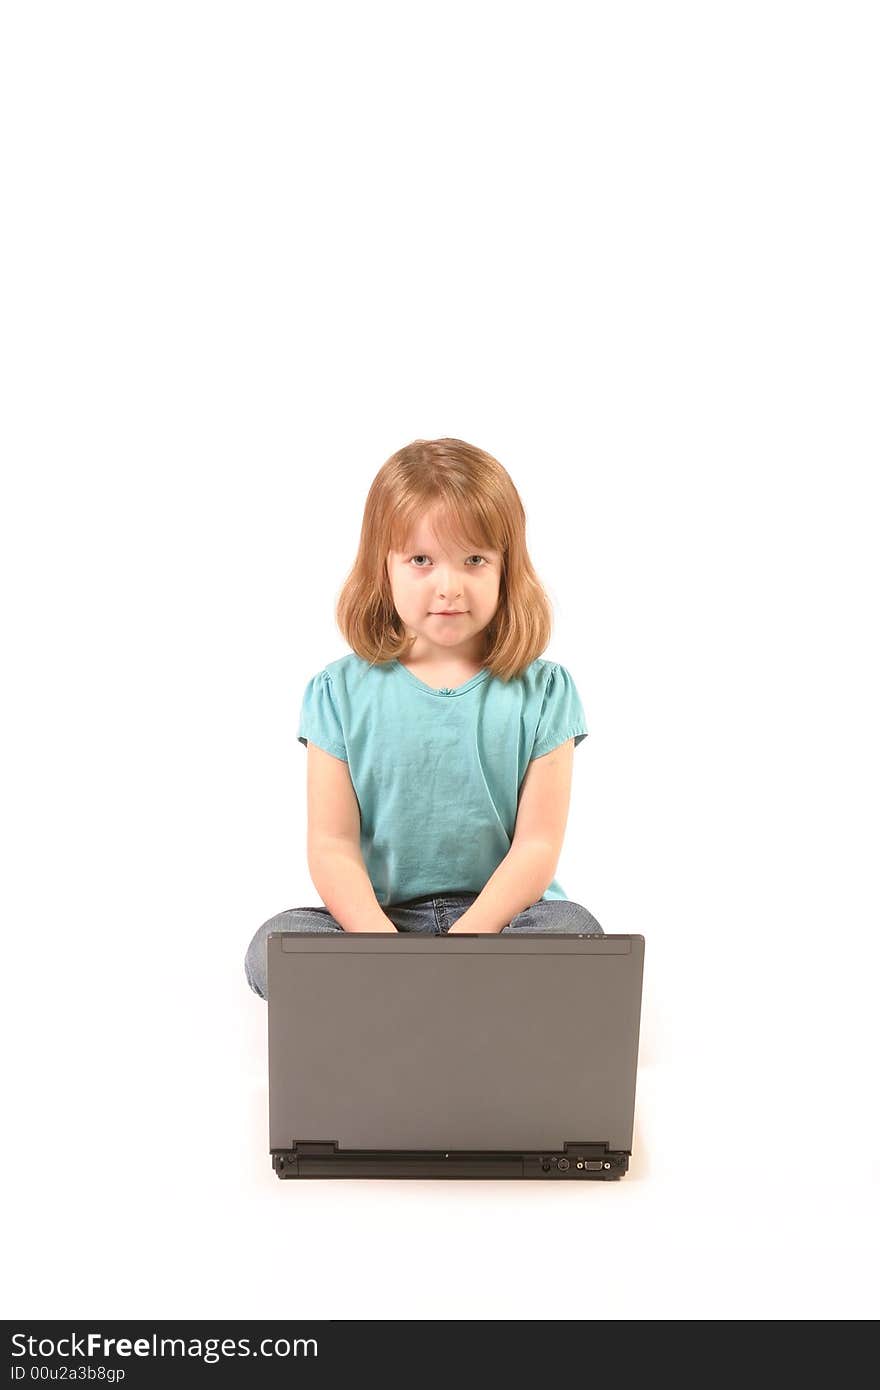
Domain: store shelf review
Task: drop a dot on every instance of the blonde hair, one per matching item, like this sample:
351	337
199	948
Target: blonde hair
480	505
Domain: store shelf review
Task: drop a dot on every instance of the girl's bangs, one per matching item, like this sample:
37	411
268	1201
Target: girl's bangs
462	526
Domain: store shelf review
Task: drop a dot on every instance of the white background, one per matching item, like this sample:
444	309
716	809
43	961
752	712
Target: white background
249	251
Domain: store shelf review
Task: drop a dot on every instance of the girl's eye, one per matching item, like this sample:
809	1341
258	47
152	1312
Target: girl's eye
470	557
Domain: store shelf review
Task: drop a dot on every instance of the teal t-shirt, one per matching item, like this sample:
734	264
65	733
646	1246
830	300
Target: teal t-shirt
437	773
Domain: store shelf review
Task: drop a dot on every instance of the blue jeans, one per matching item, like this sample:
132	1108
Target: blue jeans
432	915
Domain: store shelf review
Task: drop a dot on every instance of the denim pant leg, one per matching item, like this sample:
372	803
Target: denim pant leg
300	919
416	915
556	917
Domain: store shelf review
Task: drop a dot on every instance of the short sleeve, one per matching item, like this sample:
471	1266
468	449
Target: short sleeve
562	714
319	720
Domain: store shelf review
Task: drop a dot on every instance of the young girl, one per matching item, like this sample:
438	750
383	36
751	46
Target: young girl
440	748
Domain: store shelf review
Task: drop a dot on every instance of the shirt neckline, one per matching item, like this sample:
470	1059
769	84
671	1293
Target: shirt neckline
446	691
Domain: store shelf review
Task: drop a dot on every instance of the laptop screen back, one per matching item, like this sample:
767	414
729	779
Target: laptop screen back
412	1041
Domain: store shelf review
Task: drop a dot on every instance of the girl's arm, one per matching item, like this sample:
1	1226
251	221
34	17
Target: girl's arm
334	846
340	876
527	870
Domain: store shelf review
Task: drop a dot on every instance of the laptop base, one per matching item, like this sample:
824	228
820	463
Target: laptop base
325	1160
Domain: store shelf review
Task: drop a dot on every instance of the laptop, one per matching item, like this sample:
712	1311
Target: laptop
464	1056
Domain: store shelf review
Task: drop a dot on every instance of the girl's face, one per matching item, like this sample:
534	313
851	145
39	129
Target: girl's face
432	577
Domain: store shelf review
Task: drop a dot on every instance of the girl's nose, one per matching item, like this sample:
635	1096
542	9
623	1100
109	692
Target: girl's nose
449	583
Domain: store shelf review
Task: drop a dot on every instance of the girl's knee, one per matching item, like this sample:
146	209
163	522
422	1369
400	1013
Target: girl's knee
254	975
556	917
588	923
293	919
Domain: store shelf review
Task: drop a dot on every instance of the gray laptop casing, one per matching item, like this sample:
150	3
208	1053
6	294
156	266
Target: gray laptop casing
413	1055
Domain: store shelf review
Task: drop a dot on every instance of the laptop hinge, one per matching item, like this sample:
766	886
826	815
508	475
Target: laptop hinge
584	1149
301	1148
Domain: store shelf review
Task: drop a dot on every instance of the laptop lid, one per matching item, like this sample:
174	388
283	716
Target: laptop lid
407	1042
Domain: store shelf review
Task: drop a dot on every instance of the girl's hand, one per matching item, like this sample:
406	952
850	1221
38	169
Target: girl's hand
465	928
